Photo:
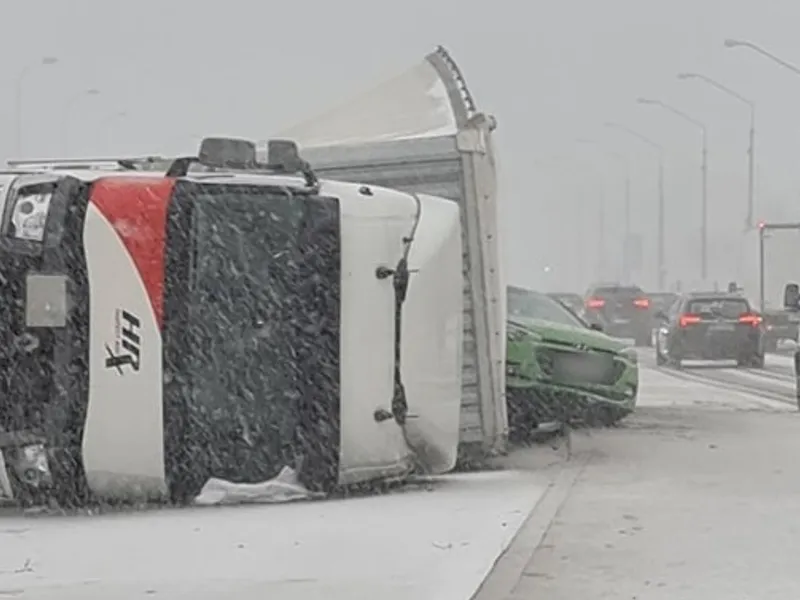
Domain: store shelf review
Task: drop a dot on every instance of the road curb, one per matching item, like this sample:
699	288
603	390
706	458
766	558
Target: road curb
510	565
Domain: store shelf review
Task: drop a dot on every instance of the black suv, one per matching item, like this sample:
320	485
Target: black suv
621	310
711	326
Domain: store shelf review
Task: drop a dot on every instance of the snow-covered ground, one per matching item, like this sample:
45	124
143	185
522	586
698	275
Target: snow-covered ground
682	504
694	388
694	497
433	543
436	543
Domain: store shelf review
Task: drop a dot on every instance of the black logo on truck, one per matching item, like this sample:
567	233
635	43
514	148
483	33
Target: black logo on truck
126	351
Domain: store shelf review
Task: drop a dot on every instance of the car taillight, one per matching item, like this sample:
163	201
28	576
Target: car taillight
750	319
687	319
642	303
595	303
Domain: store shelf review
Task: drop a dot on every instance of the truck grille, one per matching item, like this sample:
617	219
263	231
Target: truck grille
568	367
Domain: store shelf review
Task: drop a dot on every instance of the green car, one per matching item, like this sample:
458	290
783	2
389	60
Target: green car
559	369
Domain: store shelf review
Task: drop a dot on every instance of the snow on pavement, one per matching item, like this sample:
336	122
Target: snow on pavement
685	503
416	543
665	388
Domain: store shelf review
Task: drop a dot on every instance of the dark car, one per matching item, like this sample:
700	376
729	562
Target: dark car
661	301
711	326
621	310
572	301
779	325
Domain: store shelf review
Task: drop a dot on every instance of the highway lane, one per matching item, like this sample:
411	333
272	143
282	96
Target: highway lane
775	382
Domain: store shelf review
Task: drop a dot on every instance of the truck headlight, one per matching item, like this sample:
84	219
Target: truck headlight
29	216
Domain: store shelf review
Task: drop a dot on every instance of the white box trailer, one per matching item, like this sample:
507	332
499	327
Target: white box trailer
420	132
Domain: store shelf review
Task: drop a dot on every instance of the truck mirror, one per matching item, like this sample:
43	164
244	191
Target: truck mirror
227	153
791	296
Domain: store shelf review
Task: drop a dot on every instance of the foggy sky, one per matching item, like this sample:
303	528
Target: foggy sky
549	71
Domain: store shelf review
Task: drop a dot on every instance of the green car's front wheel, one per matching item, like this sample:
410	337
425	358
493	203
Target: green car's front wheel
521	418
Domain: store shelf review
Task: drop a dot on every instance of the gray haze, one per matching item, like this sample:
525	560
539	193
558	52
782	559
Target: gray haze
550	72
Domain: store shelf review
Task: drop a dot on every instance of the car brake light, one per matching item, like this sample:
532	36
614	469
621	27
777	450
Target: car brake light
642	303
750	319
687	319
595	303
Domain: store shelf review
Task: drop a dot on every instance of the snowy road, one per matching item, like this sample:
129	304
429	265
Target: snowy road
418	543
772	386
693	498
707	459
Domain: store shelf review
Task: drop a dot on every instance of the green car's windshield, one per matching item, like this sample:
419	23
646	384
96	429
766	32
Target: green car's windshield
532	305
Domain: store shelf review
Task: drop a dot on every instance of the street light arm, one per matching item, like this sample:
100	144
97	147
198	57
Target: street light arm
677	112
716	84
762	52
637	135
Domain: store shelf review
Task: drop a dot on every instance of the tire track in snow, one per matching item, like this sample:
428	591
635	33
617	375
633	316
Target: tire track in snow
670	387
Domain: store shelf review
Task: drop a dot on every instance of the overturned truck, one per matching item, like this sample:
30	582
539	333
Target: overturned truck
224	319
421	132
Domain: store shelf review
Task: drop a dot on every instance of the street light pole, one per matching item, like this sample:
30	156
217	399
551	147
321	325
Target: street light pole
704	208
661	268
704	175
105	124
68	106
626	202
586	220
751	150
21	77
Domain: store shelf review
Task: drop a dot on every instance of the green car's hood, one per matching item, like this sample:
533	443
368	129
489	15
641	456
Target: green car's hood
567	334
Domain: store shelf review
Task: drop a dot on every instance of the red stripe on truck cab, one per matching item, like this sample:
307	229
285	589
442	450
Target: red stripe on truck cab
137	210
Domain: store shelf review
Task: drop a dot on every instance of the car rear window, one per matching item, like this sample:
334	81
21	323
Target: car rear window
727	308
618	291
662	300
